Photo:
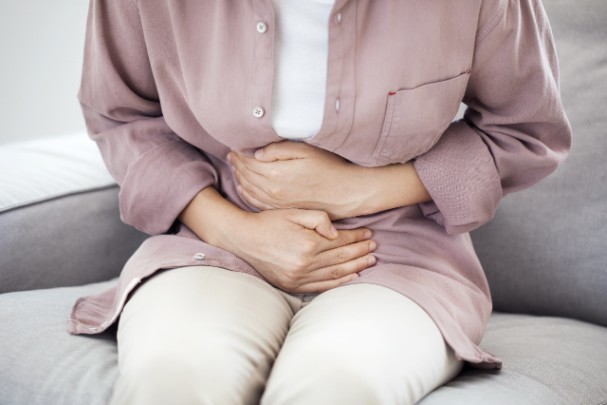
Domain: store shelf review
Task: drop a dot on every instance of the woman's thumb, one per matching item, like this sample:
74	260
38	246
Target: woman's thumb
316	220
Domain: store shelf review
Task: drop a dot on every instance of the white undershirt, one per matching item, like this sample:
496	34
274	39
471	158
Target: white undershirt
302	34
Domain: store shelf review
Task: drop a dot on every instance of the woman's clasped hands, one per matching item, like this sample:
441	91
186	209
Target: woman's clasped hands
300	251
292	241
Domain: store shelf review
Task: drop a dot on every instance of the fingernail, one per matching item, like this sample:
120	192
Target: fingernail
372	246
259	153
368	234
372	260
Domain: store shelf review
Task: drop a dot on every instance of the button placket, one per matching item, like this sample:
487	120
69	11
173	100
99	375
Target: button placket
337	100
340	78
260	94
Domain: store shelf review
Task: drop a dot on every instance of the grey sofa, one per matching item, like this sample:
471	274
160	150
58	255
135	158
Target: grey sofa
545	255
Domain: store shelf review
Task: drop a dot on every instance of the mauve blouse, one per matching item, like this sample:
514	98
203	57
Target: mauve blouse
170	87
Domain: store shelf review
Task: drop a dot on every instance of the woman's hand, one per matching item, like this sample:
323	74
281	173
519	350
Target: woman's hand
297	175
300	250
295	250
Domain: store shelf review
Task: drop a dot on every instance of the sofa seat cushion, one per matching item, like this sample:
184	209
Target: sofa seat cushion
41	363
546	360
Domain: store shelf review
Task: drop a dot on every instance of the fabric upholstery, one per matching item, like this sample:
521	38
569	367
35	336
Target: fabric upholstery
50	244
546	360
42	364
545	252
52	193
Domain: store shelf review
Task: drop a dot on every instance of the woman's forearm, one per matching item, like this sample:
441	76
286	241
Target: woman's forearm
212	218
295	250
382	188
296	175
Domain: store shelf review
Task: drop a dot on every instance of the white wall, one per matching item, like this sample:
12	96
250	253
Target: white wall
41	45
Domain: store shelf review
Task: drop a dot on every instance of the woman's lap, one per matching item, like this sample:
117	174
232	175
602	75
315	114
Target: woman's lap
211	335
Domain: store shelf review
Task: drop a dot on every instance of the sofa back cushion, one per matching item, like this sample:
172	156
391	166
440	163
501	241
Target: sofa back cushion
546	250
59	221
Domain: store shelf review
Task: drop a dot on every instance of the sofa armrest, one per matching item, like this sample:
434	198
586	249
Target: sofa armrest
59	219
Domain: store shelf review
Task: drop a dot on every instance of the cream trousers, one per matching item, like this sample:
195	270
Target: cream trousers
205	335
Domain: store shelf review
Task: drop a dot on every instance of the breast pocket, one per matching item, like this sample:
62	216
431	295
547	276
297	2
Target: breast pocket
416	118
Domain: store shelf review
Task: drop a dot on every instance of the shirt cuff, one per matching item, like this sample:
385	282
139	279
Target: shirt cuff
462	179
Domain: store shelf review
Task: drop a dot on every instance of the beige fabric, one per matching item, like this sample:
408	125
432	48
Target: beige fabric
360	344
205	335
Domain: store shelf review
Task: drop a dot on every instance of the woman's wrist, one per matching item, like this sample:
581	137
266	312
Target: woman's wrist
214	219
376	189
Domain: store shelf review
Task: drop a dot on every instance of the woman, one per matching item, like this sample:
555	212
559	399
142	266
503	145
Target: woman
309	195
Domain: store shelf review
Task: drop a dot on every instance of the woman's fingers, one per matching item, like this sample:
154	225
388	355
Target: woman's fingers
315	287
347	237
345	255
340	265
246	164
341	270
253	200
330	277
267	188
250	181
285	150
300	250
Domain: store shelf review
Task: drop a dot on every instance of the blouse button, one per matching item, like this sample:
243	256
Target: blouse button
338	18
262	27
258	112
199	256
337	105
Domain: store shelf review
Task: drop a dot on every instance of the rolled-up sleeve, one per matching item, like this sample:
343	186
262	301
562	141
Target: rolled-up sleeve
157	171
514	132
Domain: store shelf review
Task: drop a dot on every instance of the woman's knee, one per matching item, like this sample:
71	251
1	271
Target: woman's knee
156	378
176	375
323	377
355	375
